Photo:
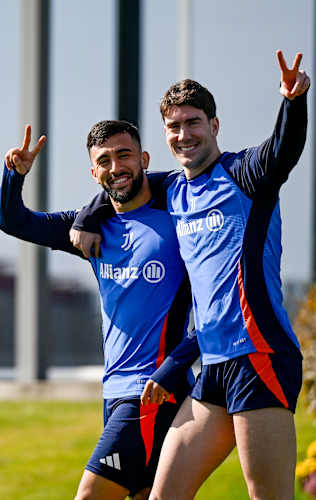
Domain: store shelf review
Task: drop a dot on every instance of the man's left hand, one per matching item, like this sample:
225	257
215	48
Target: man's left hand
294	82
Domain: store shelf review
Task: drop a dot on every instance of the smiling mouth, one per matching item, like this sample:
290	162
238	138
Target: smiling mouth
186	149
121	181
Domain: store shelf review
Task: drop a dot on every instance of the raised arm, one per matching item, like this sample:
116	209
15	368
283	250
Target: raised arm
262	170
47	229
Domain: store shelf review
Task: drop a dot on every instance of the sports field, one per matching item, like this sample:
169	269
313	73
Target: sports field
45	445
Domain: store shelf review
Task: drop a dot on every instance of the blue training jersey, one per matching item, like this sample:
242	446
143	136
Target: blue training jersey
229	230
144	290
139	273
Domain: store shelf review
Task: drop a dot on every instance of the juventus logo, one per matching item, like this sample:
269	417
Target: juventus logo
192	204
128	242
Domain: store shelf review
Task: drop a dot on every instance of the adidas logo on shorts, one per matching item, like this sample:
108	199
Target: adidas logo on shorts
112	461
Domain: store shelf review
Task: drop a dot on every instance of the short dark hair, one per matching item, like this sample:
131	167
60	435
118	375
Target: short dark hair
102	131
191	93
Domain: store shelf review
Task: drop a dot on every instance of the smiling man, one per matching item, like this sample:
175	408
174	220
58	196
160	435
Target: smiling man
225	207
191	133
145	303
119	168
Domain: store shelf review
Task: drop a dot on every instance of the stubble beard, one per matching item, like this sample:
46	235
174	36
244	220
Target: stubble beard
126	196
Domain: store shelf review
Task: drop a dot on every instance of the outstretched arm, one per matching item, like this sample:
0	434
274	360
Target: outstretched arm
47	229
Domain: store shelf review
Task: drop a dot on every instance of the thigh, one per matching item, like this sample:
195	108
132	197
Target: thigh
199	439
266	444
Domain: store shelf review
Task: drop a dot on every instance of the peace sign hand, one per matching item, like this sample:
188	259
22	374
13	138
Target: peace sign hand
21	159
294	82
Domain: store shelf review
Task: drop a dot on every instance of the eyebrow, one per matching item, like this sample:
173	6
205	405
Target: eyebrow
188	120
118	151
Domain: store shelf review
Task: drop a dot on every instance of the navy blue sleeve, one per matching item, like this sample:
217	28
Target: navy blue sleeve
172	370
91	216
263	169
100	208
46	229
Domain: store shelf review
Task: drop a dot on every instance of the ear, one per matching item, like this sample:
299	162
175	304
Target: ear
93	171
145	160
214	124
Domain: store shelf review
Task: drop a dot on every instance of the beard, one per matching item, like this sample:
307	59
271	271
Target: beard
125	196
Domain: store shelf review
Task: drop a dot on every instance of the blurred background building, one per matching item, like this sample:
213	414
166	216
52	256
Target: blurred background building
228	46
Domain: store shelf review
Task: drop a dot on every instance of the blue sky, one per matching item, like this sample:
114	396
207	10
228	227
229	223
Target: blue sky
232	48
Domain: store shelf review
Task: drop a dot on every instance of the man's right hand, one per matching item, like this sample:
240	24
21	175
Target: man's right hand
21	159
84	241
154	393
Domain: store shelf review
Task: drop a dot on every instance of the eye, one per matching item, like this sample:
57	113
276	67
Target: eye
173	126
103	162
195	121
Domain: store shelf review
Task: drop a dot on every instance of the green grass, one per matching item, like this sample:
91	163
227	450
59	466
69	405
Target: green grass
44	447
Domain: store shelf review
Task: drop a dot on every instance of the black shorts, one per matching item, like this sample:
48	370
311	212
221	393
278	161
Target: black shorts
129	447
251	382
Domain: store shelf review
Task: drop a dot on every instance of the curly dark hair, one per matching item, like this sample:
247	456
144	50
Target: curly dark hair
191	93
103	130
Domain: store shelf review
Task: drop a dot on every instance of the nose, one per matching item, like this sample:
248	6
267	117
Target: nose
183	134
115	166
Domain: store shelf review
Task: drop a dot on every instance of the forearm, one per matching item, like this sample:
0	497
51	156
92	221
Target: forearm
281	153
266	167
100	208
89	217
177	363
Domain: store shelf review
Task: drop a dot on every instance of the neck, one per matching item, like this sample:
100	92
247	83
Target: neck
191	173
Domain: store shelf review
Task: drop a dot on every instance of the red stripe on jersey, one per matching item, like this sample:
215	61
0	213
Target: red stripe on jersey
162	352
255	335
148	415
162	347
263	366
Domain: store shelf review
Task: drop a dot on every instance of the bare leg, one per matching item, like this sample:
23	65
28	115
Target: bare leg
199	439
266	445
94	487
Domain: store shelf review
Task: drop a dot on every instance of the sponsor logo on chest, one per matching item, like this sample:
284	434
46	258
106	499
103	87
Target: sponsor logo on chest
152	271
213	221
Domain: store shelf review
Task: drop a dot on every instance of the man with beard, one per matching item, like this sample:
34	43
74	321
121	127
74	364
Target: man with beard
225	207
145	302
